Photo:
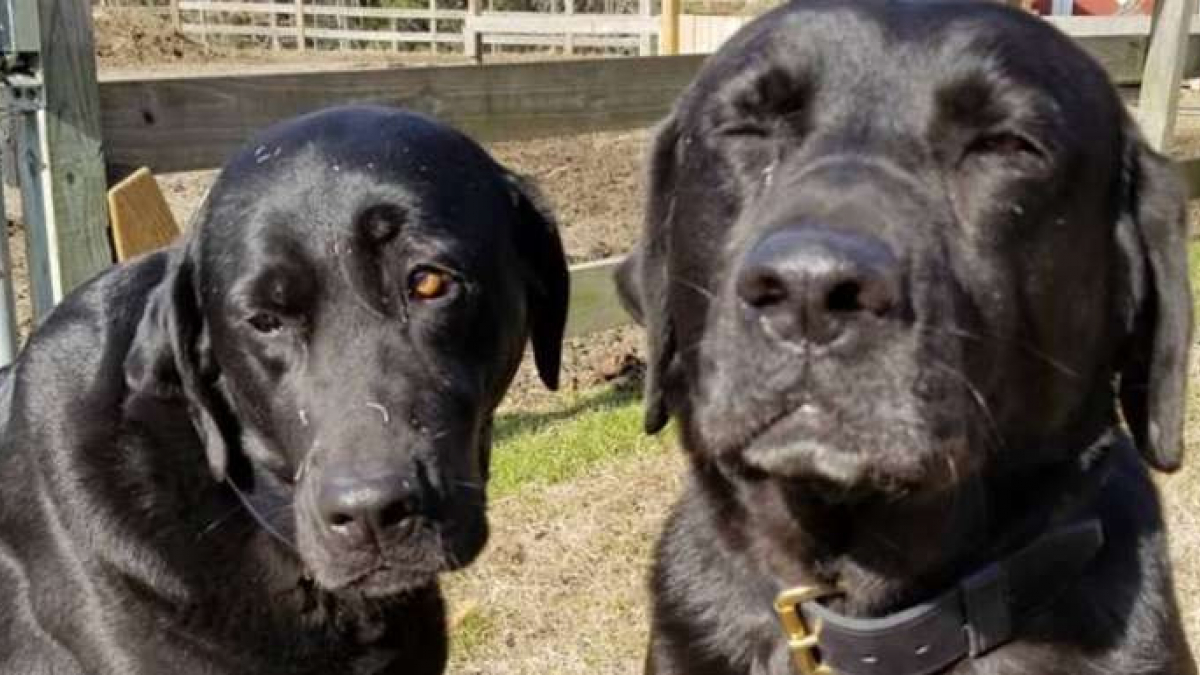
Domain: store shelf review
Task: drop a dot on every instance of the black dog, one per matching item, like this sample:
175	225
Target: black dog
254	452
901	261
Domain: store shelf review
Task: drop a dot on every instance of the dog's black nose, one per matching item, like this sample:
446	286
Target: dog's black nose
810	284
361	510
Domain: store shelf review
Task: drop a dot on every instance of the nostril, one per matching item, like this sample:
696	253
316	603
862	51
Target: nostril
845	297
763	288
395	513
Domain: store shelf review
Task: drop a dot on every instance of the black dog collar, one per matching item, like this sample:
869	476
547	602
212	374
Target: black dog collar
967	621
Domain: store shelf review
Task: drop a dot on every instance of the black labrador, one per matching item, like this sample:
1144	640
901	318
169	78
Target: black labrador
906	267
255	451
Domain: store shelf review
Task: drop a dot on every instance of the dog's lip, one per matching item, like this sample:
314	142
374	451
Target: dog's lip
796	445
376	580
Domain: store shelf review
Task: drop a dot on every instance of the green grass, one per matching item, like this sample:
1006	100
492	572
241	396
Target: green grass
1194	267
582	432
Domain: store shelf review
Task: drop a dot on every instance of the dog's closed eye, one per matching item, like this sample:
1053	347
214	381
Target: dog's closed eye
1004	145
265	322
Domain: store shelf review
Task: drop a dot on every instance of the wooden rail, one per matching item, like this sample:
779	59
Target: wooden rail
594	303
205	18
175	124
181	124
599	30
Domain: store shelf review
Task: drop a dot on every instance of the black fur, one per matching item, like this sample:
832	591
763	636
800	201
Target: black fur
1016	276
277	351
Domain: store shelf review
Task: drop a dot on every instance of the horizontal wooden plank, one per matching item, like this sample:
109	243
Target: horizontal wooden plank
1108	26
236	7
320	10
381	35
598	41
181	123
224	29
541	24
384	12
594	302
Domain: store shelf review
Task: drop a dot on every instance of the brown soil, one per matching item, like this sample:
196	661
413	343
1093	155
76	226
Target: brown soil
131	37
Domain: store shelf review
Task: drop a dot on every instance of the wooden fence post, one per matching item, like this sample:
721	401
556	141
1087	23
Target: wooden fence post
1159	98
176	20
62	161
668	41
433	27
299	20
274	28
569	37
645	39
472	38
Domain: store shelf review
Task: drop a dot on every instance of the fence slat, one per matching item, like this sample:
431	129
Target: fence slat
323	10
594	302
551	24
179	124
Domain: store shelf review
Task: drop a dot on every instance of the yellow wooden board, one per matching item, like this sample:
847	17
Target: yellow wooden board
141	219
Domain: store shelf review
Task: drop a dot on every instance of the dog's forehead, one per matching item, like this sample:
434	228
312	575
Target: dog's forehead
881	56
309	187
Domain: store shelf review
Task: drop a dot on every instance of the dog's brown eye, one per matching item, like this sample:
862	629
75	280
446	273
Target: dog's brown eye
264	322
1005	144
429	284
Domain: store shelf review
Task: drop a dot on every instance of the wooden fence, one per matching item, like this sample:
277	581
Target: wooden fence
175	124
302	24
1119	42
298	25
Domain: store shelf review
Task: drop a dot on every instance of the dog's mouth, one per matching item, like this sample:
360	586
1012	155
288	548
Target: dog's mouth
800	444
384	579
382	569
812	448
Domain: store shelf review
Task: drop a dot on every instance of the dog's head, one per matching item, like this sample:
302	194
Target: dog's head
891	244
351	304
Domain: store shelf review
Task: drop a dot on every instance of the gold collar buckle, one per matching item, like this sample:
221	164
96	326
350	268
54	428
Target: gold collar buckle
802	640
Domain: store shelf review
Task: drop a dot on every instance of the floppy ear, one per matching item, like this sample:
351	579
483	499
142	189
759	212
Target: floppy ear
172	356
1153	236
548	280
642	278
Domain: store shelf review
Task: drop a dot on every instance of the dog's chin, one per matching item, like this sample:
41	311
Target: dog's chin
808	454
398	569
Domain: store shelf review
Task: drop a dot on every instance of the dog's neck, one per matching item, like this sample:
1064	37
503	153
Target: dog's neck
885	554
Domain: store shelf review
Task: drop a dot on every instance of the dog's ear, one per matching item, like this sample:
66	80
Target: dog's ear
1152	235
172	356
642	277
547	278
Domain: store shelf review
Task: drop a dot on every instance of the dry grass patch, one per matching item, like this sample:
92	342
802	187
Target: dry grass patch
561	590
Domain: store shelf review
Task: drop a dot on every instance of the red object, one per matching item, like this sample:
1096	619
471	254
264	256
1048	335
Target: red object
1097	7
